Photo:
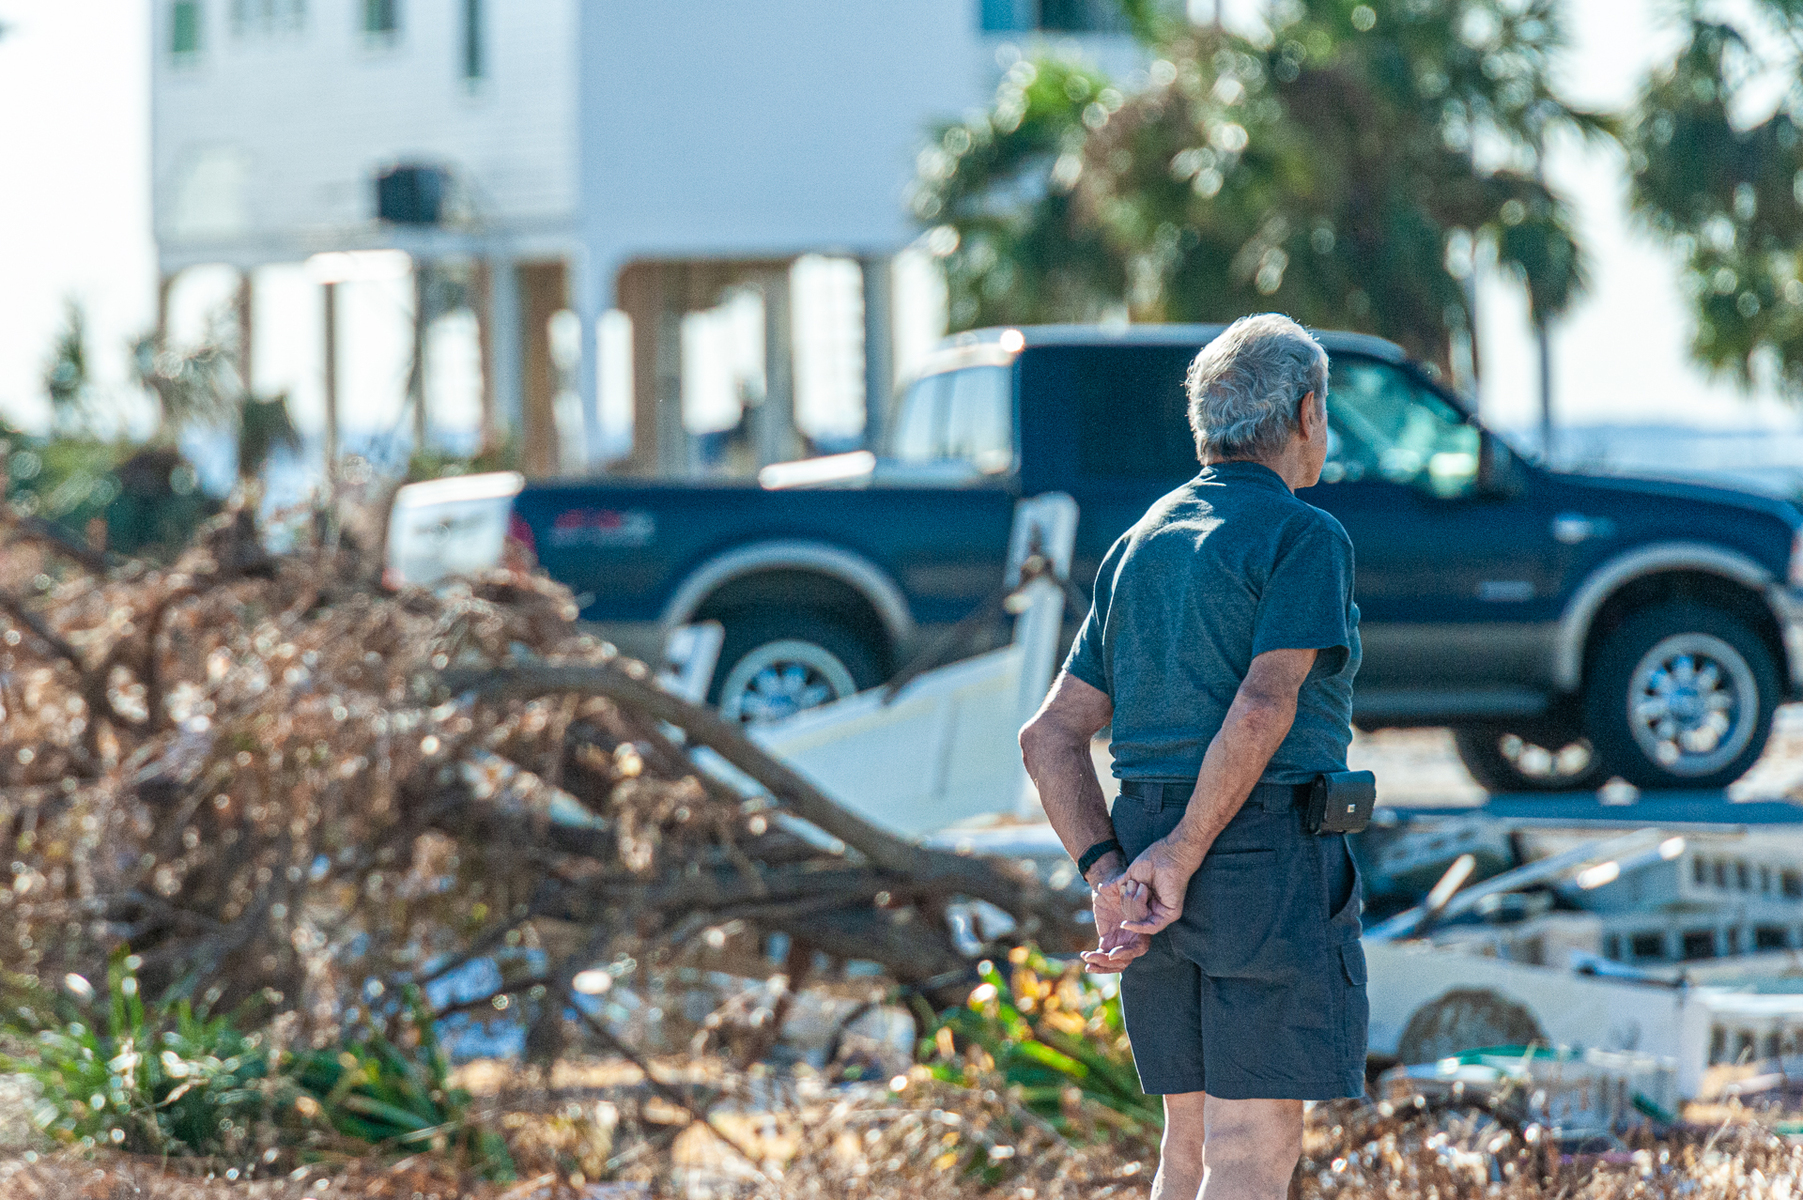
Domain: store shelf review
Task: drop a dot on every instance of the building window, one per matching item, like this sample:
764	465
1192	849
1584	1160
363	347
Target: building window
1647	945
474	56
263	17
1699	943
184	28
1768	937
382	18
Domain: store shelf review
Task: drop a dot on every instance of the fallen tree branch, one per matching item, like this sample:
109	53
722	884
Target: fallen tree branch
1044	914
696	1114
49	534
14	606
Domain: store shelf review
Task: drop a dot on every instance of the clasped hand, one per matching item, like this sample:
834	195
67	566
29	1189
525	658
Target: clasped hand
1133	905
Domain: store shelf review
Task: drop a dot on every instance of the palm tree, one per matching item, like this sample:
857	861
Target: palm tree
1324	171
66	375
1727	193
204	387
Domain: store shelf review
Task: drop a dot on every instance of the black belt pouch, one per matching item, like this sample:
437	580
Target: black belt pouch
1341	802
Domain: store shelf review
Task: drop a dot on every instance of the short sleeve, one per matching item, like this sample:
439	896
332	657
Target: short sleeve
1307	601
1088	659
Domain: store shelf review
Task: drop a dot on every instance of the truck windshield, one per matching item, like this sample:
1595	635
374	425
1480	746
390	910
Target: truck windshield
1382	425
965	415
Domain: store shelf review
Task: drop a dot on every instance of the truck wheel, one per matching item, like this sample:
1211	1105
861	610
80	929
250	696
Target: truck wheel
1681	697
775	666
1530	756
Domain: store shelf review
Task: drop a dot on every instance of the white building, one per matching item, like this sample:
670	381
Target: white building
662	159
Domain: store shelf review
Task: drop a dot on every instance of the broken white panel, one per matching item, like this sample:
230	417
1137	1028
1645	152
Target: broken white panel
945	748
942	751
453	526
1697	1027
690	655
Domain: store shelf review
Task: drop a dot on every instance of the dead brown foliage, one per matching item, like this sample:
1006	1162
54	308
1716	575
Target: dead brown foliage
251	771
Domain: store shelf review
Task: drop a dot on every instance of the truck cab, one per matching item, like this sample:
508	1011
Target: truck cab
1568	628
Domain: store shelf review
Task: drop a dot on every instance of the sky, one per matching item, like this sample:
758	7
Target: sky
74	186
75	222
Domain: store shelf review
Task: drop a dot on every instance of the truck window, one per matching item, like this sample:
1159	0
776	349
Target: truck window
1130	410
1383	425
958	416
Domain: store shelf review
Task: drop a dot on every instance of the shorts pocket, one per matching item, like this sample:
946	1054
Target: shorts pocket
1356	1009
1241	903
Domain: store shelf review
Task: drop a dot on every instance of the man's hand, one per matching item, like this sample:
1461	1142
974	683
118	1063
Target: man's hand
1115	946
1155	883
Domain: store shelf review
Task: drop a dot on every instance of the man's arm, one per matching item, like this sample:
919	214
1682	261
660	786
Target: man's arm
1263	710
1055	747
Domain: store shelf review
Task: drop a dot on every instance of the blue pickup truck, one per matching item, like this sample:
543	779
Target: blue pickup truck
1568	628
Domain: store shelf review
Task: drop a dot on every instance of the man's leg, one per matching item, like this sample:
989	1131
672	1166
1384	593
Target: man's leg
1251	1148
1180	1154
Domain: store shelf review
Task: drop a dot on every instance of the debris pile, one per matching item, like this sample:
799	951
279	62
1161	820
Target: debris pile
270	777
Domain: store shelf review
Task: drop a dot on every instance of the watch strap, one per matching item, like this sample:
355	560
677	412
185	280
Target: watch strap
1096	853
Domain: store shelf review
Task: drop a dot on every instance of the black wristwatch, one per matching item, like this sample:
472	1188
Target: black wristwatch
1096	853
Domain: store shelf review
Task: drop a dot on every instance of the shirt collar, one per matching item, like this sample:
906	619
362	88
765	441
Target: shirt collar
1242	470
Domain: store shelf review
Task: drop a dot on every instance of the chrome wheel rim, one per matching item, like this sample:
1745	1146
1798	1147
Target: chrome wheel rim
1543	761
1692	704
782	678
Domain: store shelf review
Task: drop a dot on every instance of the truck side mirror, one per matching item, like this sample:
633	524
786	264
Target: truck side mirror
1496	474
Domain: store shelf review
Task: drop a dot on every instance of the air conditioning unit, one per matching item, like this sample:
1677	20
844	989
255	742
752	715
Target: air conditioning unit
412	194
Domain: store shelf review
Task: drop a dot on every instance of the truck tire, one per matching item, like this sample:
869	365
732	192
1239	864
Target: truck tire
773	665
1530	756
1681	696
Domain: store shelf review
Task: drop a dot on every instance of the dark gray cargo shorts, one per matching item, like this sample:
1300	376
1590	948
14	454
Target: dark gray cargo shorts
1257	992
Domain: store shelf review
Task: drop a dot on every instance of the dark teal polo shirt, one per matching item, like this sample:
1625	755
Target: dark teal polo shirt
1226	567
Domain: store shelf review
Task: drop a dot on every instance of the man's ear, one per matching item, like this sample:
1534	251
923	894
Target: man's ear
1308	415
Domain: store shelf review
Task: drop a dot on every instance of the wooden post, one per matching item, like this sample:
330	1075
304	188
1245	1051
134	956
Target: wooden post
642	299
165	285
482	304
774	434
416	374
543	285
246	313
672	436
331	389
879	346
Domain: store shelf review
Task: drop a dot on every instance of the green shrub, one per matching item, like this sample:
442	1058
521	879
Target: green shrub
1056	1039
147	496
170	1081
108	1072
375	1092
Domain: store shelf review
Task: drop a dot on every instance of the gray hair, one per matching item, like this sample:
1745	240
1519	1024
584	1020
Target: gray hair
1245	385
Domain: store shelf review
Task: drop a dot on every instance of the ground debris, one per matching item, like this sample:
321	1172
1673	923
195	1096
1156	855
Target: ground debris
930	1141
122	1177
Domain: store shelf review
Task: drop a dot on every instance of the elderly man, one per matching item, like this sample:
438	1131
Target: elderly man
1221	646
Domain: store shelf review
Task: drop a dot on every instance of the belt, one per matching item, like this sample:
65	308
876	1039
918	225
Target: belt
1272	797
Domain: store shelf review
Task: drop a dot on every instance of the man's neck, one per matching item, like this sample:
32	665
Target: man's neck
1287	466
